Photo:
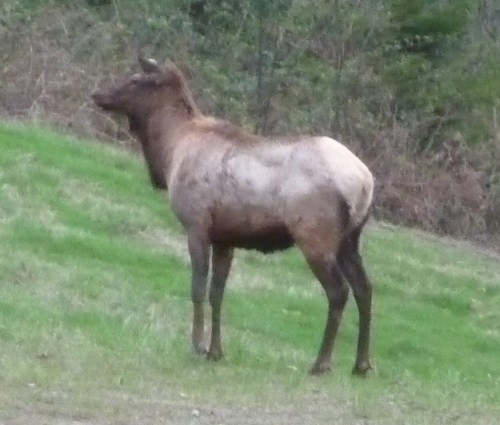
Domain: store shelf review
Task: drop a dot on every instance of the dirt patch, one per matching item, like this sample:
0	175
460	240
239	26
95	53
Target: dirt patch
318	409
127	410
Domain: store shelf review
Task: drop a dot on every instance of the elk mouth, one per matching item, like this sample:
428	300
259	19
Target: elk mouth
103	101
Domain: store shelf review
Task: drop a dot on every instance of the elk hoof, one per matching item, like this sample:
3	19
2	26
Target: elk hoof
214	354
320	368
362	369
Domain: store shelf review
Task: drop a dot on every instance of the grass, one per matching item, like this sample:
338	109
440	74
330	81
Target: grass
95	311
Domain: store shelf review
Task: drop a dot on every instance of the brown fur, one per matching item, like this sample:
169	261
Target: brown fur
225	130
208	170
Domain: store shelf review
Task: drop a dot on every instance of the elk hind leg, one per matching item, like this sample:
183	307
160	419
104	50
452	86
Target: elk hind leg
351	264
325	268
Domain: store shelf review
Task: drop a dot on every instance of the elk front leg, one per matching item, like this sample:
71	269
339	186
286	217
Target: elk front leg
221	264
199	252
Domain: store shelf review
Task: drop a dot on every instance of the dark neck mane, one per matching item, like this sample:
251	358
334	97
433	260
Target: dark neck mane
189	104
155	125
153	150
184	100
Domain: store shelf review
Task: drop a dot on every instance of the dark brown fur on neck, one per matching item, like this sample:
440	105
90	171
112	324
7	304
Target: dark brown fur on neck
155	102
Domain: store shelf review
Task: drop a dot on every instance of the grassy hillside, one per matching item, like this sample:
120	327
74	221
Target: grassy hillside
95	312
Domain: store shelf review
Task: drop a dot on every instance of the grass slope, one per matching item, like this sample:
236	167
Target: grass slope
95	312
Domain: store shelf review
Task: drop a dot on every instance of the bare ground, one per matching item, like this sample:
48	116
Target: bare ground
126	410
319	408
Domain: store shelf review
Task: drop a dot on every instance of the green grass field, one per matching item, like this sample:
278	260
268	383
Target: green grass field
95	312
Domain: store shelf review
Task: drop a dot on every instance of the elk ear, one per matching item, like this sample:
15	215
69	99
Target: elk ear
148	65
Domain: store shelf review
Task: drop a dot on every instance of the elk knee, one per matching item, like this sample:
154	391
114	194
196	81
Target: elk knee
339	296
362	288
338	292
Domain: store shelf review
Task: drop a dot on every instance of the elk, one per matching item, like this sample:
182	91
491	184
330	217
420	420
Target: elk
231	189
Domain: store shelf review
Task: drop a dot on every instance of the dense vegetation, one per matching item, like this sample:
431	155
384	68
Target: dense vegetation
413	87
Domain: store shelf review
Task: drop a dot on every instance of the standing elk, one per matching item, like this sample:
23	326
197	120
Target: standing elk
230	189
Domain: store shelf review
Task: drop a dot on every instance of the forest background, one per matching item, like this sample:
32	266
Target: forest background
413	87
